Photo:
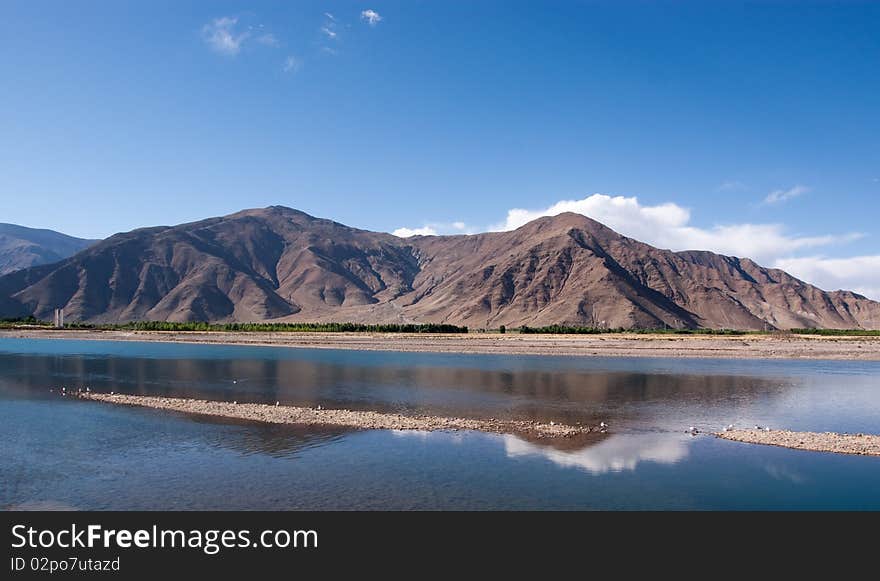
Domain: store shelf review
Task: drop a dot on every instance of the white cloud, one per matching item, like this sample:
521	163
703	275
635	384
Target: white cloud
328	32
269	39
407	232
860	274
330	16
436	228
291	64
779	196
668	226
371	16
221	36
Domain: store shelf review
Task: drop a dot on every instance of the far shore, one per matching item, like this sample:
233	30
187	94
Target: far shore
853	348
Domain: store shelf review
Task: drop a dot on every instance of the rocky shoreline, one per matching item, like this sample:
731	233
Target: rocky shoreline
858	444
366	420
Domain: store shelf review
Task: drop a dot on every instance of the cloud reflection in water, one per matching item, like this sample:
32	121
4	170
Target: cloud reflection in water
617	453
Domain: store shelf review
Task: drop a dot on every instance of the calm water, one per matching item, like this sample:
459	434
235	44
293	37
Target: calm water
59	453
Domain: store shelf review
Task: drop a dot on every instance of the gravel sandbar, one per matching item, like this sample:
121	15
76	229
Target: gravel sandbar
859	444
368	420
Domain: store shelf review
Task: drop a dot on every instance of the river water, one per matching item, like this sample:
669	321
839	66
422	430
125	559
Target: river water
62	453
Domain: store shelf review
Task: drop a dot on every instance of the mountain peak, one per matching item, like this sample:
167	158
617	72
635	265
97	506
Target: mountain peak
270	211
562	223
570	219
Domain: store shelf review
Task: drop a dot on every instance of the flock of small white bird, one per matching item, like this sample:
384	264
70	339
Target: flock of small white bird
729	428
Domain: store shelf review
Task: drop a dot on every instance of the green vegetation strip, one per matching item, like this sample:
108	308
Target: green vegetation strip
415	328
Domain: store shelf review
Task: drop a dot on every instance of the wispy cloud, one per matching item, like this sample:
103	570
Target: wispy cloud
371	16
291	64
329	30
221	35
779	196
732	186
269	39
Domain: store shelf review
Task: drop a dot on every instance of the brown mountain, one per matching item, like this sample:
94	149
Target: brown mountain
281	264
22	247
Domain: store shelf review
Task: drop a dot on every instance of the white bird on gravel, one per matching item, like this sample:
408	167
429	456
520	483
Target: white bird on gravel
729	428
277	403
603	425
693	431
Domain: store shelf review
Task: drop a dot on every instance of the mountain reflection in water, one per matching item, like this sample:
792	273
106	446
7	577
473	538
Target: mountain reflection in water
628	398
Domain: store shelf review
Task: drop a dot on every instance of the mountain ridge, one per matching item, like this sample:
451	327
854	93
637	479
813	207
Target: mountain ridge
23	247
280	264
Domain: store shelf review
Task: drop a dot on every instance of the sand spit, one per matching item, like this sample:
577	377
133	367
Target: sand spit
367	420
859	444
612	345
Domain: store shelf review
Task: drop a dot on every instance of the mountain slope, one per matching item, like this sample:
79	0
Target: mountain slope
281	264
22	247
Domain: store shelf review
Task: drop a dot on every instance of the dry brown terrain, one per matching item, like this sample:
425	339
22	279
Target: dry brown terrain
615	345
280	264
859	444
368	420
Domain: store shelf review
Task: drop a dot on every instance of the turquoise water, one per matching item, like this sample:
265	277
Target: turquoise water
59	453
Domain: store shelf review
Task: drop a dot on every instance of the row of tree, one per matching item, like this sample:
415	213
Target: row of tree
279	327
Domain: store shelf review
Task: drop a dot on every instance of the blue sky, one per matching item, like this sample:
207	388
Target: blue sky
742	128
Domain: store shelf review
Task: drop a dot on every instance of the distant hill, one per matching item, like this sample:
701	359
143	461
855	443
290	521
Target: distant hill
22	247
281	264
